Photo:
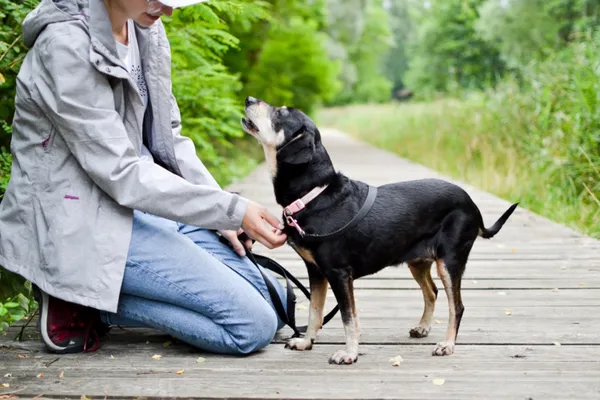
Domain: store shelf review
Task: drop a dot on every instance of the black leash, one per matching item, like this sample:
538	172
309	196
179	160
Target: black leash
286	314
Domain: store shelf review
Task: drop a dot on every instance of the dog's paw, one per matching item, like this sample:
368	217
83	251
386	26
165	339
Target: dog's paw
419	331
299	344
341	357
443	349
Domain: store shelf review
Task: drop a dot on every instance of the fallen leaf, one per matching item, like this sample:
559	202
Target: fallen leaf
507	312
62	374
40	375
84	397
500	246
396	361
22	355
301	307
556	343
6	385
502	293
180	372
475	282
156	357
513	250
581	283
200	360
167	343
437	321
563	267
555	289
8	376
112	357
439	381
2	80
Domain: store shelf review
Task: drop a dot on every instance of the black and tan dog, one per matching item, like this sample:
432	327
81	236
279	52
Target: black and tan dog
416	222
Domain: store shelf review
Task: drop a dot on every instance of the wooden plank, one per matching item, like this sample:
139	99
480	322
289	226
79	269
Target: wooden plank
537	372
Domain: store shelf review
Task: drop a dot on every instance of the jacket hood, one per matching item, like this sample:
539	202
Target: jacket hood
51	12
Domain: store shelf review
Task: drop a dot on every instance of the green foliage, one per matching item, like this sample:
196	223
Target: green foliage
12	51
361	38
293	68
283	59
446	53
534	29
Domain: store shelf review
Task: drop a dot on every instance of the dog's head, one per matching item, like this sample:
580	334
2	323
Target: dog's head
286	133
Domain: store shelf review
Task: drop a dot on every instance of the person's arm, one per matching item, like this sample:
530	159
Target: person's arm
78	100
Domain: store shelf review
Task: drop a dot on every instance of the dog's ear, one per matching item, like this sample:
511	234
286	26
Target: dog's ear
299	150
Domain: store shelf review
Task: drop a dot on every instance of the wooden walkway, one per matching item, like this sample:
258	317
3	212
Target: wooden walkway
531	328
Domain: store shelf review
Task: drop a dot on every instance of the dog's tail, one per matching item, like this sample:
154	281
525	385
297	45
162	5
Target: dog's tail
488	233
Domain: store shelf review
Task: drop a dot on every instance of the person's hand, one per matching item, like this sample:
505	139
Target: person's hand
232	237
255	225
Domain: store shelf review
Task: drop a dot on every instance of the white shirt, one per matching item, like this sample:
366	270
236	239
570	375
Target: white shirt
130	55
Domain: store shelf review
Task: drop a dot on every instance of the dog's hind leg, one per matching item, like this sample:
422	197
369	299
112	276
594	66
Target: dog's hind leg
318	292
421	271
450	272
342	285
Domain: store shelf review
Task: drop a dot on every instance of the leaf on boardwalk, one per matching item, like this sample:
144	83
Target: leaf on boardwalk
62	374
301	307
200	360
167	343
6	385
22	355
581	283
437	321
112	357
156	357
556	343
84	397
513	250
396	361
507	311
502	293
439	381
180	372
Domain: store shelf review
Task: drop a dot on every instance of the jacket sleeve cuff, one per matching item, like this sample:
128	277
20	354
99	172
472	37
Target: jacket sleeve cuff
237	210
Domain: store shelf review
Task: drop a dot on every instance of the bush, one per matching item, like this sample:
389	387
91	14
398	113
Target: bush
293	68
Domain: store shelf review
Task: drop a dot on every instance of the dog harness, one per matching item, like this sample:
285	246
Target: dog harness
301	203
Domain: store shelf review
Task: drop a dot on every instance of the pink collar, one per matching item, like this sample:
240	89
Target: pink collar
299	205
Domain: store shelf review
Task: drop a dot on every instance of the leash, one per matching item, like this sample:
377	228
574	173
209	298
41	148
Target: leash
288	313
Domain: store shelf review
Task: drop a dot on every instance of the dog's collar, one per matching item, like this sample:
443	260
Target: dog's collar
299	205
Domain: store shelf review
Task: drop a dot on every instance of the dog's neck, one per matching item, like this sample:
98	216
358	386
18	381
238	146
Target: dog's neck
291	182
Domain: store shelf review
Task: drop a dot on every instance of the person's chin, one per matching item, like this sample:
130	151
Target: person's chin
147	20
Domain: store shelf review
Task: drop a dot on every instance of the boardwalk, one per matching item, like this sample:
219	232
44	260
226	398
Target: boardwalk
531	328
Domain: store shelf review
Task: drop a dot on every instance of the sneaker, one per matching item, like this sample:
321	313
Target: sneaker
66	327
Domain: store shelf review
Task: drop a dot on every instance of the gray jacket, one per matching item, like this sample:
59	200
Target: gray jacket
66	217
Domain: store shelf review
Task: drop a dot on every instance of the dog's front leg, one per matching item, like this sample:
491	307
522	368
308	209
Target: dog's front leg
318	293
343	288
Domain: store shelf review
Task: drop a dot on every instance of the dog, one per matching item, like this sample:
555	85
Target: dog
416	222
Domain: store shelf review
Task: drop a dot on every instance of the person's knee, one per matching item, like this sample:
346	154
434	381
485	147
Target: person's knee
258	334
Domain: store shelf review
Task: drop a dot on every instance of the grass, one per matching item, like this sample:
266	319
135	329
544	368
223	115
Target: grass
487	143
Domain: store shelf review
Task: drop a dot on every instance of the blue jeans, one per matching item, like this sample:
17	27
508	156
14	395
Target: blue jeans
181	280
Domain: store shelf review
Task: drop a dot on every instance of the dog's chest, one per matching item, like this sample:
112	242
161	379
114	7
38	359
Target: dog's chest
304	253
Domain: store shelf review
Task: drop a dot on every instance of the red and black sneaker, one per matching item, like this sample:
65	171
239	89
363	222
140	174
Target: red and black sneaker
66	327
